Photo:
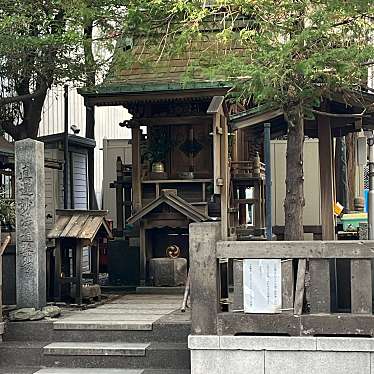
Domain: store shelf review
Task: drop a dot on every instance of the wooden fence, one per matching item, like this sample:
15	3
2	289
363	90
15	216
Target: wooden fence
214	312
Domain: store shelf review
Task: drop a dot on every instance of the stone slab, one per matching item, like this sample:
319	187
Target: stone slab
226	362
95	349
129	311
270	343
342	344
2	327
142	306
30	221
110	317
203	342
280	362
88	371
160	290
103	325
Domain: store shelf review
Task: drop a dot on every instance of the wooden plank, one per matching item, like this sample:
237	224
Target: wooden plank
58	227
204	277
225	176
215	105
320	296
216	153
361	287
248	323
300	287
337	324
70	225
287	286
238	302
296	249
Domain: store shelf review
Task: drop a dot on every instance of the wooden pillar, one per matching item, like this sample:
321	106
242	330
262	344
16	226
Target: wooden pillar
90	133
143	255
136	169
326	177
225	177
78	272
95	262
57	273
320	290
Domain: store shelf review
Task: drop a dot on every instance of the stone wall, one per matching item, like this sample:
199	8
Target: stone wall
280	355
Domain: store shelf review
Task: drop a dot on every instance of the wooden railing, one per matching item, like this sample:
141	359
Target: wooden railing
214	312
253	168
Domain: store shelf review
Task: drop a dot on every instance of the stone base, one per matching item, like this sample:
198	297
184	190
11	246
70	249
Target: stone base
170	272
91	291
280	355
2	328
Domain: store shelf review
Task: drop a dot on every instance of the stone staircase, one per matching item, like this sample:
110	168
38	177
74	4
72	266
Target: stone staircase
101	341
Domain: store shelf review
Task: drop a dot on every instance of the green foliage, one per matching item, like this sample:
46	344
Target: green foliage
47	42
158	146
7	209
281	52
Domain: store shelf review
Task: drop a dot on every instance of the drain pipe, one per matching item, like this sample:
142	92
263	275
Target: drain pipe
371	188
66	145
268	182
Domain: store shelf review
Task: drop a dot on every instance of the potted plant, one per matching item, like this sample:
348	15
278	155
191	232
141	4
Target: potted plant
158	147
7	211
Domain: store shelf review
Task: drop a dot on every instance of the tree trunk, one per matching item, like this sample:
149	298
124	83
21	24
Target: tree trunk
294	201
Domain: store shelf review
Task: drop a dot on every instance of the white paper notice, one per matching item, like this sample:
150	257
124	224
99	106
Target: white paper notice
262	286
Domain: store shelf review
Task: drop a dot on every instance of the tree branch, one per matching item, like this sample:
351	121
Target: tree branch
26	97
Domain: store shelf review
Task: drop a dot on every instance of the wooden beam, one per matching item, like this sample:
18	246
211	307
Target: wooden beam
296	249
136	169
361	287
215	105
326	177
300	287
320	297
225	176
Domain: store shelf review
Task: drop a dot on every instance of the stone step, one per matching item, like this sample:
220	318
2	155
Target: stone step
43	331
157	356
95	349
31	370
99	324
88	371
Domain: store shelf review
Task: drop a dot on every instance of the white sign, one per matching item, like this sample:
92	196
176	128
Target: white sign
262	286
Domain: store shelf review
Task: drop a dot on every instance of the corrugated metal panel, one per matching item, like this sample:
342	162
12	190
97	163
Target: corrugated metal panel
80	182
106	125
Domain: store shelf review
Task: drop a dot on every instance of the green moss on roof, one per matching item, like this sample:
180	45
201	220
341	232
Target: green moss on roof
129	88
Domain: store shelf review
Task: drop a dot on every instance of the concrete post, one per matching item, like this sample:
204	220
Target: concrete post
204	278
30	224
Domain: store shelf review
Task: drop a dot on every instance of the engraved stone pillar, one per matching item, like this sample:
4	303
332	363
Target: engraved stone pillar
30	224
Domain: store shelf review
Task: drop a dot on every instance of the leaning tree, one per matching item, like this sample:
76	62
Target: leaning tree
50	42
287	54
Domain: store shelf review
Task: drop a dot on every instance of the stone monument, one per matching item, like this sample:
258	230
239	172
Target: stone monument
30	224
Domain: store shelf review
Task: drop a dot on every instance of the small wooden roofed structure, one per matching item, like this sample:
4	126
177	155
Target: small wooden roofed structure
166	211
171	199
342	115
74	230
79	224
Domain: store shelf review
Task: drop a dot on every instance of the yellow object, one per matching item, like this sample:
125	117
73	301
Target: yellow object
338	208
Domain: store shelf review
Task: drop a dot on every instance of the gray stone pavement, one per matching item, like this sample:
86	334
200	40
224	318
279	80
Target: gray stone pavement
129	312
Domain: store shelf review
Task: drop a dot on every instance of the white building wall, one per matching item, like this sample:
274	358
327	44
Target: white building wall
106	124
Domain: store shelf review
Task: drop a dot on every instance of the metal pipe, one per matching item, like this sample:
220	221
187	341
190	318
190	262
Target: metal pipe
66	146
371	189
268	182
